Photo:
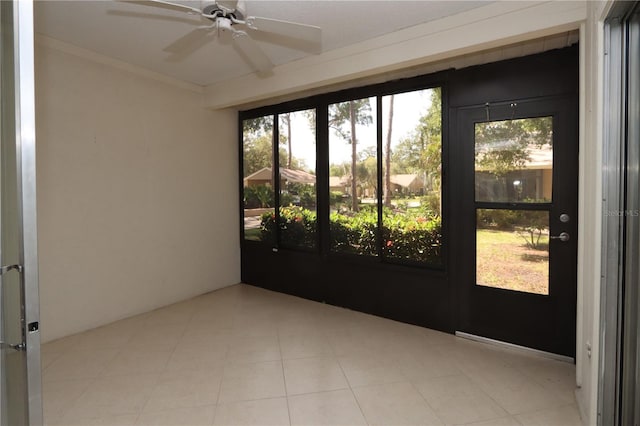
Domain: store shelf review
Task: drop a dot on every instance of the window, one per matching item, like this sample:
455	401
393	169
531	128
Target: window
381	158
353	177
412	146
257	163
298	216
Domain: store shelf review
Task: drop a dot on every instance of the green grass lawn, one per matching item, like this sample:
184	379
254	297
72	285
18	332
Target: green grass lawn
504	261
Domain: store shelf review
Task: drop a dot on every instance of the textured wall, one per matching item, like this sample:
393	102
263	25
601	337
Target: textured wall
137	193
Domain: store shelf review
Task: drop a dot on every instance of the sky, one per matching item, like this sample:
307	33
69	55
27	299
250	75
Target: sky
408	108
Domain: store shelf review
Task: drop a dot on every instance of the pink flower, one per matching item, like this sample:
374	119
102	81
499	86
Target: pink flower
389	243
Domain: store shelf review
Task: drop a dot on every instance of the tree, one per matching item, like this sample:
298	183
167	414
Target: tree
343	119
258	125
504	146
420	152
258	153
387	156
285	121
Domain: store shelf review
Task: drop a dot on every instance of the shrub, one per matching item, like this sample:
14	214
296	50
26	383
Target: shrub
412	237
258	196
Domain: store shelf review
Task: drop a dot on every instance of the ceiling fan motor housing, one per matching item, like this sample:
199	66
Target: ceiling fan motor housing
210	8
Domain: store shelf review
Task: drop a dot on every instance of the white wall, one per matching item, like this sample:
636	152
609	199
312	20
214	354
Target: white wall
137	192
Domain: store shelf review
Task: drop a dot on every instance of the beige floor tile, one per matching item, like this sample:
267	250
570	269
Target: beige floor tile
80	364
163	337
395	404
196	357
504	421
254	349
58	397
194	416
348	343
124	420
457	400
308	375
115	335
562	416
240	344
113	396
325	408
416	366
370	370
65	344
183	389
175	314
556	376
48	357
304	346
139	360
244	382
263	412
514	391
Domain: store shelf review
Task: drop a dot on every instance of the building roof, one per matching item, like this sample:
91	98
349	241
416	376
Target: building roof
405	180
298	176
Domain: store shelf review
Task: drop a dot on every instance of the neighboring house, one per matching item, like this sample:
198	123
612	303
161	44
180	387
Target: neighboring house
264	177
532	181
406	184
340	184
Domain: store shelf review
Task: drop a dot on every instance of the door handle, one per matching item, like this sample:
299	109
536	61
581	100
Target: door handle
19	347
5	269
564	237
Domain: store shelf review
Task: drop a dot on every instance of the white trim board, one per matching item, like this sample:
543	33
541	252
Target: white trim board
497	24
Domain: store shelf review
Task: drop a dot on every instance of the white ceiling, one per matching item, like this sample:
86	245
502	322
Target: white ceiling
137	34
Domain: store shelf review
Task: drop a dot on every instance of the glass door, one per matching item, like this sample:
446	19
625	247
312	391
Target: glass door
520	220
19	323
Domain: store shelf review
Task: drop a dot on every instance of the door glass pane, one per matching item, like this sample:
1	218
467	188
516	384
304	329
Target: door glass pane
259	200
514	160
353	177
412	145
512	250
297	131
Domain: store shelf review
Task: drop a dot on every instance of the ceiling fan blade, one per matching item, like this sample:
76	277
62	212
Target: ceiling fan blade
191	41
290	29
252	51
165	5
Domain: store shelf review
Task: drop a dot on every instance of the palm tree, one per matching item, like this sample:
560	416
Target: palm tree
387	156
343	119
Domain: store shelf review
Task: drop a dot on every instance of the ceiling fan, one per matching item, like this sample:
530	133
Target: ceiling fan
229	16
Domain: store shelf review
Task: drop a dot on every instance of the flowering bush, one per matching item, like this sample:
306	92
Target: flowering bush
412	236
297	227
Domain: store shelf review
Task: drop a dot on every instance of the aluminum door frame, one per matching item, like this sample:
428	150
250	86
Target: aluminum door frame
25	129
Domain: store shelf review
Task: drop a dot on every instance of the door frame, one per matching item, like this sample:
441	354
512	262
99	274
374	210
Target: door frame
560	304
25	129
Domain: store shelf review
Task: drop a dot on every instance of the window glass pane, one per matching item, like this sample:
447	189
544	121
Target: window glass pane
412	145
298	224
353	177
259	200
514	160
512	250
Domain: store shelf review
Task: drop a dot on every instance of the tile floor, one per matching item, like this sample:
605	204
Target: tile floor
247	356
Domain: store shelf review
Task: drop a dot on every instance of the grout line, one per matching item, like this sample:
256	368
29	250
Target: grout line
284	378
